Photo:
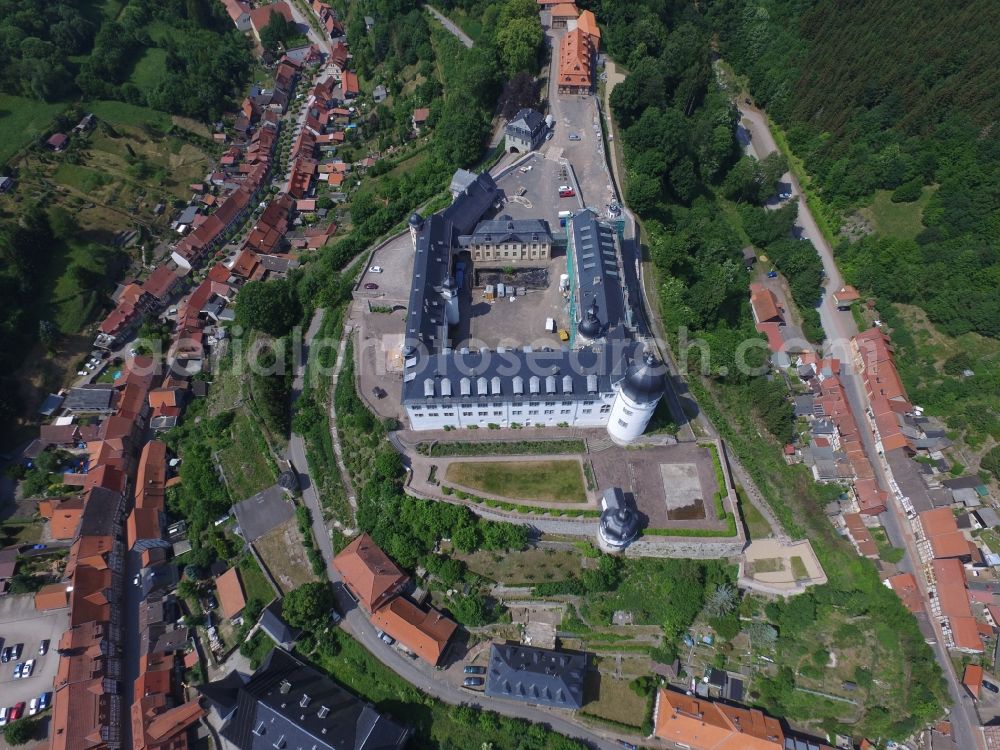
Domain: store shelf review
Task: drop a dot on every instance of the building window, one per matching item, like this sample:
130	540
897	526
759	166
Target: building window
483	413
534	403
448	413
588	403
432	414
466	413
605	408
550	411
550	403
587	411
532	411
564	411
623	423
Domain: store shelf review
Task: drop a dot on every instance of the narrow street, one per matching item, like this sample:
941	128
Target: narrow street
450	26
840	327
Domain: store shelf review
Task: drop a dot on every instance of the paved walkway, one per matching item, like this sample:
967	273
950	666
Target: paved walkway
451	26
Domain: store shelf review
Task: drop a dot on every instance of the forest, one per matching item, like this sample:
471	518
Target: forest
890	95
179	56
699	202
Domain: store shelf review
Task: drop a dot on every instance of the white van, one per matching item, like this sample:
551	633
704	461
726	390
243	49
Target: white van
565	214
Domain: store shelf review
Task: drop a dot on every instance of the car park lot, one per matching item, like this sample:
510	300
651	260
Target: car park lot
20	623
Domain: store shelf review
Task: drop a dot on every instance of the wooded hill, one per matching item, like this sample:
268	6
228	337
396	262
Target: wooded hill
895	95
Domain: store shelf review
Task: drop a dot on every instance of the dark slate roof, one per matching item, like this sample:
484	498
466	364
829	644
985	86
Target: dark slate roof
90	398
464	376
224	693
100	513
461	180
646	380
962	483
271	623
536	675
425	322
526	123
598	274
270	707
619	519
506	229
51	404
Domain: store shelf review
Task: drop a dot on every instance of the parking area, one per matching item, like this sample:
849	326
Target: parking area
20	623
532	190
392	284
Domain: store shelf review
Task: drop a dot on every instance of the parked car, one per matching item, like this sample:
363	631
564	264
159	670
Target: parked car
548	136
43	647
772	274
574	136
19	670
7	654
138	579
16	711
44	700
526	169
375	269
385	637
33	707
990	686
473	682
39	546
371	285
3	715
567	193
335	616
473	669
18	650
28	668
213	603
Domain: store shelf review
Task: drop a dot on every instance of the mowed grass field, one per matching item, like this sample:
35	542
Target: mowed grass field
547	481
22	121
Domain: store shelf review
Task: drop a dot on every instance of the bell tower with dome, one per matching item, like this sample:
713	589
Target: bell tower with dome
638	393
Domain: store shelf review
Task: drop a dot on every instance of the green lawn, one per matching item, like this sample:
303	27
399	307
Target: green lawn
120	113
149	69
526	566
551	481
81	178
246	459
255	585
22	121
757	525
903	220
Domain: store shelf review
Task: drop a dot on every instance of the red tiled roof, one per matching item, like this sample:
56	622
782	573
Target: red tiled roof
575	59
232	600
702	724
973	679
905	586
260	17
766	308
349	83
369	573
425	633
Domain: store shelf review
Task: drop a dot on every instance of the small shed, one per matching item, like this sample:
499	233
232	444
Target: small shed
749	257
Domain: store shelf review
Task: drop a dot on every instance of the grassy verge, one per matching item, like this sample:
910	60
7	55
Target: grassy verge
516	508
825	216
255	584
552	481
503	448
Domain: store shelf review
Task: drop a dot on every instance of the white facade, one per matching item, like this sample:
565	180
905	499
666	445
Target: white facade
628	419
592	411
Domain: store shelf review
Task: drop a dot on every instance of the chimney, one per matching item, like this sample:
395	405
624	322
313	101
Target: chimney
285	687
323	711
305	700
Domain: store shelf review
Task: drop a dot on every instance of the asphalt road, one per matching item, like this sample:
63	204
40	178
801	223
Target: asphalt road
452	27
840	327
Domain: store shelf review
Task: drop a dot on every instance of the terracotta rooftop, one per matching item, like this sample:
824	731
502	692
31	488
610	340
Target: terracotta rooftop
232	600
369	572
425	633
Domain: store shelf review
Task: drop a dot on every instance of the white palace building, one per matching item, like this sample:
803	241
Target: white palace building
608	379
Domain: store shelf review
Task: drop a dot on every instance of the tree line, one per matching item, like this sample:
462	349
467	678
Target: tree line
892	96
